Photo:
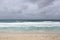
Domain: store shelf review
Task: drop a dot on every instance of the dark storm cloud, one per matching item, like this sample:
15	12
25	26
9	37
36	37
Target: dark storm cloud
29	9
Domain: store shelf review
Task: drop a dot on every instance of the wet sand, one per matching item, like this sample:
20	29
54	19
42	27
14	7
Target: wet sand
29	36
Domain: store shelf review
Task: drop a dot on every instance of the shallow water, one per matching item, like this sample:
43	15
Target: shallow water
30	26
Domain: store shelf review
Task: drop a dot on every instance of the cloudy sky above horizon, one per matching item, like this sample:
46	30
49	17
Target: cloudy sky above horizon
29	9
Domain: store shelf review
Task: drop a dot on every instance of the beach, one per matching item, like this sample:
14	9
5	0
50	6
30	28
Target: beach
33	35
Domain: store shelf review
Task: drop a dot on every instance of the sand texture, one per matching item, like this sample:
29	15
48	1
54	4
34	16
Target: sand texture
29	36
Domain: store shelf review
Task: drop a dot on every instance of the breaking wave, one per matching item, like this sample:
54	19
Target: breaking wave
30	24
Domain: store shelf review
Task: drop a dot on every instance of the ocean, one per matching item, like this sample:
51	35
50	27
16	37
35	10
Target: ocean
21	25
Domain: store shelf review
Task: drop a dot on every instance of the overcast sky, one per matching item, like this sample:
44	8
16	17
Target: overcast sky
29	9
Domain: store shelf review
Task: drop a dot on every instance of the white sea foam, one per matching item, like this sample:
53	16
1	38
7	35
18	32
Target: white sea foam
31	24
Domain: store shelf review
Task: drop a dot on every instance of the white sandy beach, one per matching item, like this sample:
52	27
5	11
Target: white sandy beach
29	36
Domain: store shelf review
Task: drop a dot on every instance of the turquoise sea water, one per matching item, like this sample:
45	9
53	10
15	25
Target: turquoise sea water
14	25
30	28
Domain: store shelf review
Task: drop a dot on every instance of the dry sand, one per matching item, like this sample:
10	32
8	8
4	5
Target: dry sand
29	36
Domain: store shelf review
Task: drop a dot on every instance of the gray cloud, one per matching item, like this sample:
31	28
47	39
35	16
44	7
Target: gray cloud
29	9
